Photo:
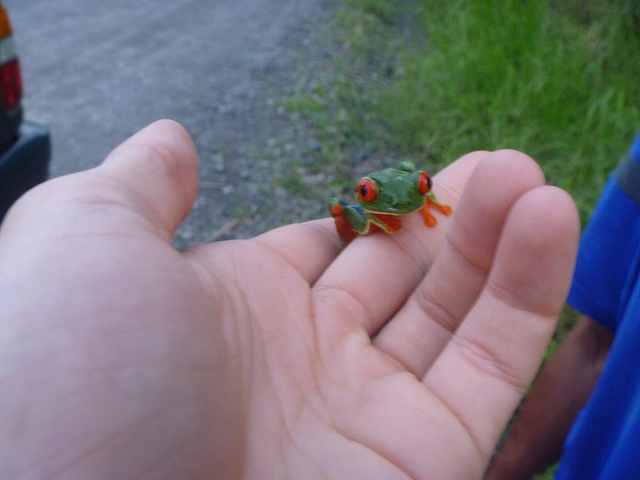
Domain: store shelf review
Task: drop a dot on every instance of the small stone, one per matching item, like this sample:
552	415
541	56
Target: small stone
218	163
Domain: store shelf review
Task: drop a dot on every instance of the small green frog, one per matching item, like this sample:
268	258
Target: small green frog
382	197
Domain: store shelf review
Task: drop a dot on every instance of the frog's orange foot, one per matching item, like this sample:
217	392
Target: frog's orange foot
429	219
444	208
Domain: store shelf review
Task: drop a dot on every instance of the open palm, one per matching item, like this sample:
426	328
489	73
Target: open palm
283	356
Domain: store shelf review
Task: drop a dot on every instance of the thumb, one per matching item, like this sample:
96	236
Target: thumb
158	167
150	181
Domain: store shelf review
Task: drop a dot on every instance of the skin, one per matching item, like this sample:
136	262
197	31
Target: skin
560	391
397	193
123	358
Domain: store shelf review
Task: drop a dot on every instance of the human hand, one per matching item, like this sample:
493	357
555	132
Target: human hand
283	356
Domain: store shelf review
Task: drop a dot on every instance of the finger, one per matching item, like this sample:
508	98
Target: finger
375	274
158	168
424	325
309	247
151	179
484	370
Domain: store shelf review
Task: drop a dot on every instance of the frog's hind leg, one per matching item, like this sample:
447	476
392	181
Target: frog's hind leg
388	223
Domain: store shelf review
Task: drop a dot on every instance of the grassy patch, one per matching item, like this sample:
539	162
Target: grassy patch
533	76
431	80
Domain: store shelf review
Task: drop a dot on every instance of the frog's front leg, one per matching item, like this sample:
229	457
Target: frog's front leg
445	209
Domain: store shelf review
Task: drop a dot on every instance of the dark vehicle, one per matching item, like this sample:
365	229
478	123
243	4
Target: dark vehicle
24	146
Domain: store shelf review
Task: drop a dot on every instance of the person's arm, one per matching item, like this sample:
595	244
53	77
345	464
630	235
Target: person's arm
282	356
561	390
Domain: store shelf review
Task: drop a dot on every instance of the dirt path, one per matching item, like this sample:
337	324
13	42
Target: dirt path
97	73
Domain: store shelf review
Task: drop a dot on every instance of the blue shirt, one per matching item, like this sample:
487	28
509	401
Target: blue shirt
604	442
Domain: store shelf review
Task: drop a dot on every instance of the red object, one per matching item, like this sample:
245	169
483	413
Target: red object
367	190
393	222
10	84
425	183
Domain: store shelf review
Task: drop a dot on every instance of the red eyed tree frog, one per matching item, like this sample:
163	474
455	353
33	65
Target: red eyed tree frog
382	197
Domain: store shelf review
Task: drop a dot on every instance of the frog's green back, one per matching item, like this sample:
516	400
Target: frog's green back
398	192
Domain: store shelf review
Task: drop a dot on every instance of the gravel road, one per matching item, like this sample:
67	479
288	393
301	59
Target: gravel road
97	73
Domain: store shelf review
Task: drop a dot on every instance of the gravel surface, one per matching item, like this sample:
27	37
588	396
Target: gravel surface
96	74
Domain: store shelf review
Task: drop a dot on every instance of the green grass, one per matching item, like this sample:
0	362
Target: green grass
555	79
532	76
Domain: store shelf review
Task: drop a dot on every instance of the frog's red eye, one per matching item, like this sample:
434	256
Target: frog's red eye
425	183
367	190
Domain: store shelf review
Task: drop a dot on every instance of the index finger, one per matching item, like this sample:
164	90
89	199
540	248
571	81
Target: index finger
309	247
